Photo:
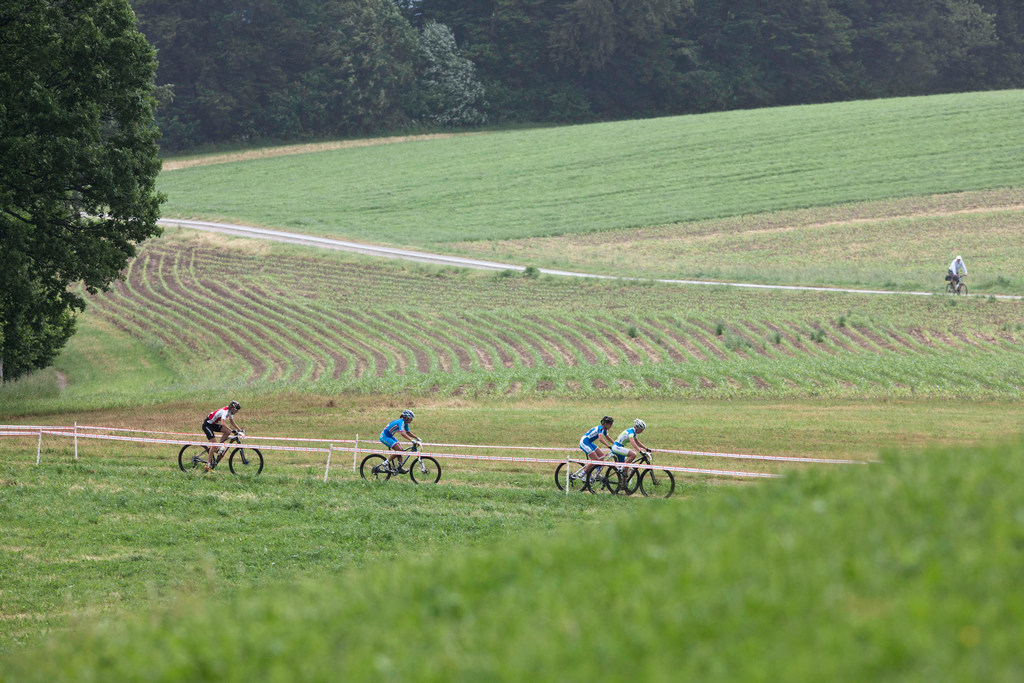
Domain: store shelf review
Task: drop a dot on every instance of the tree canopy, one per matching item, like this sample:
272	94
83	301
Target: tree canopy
263	70
78	164
270	69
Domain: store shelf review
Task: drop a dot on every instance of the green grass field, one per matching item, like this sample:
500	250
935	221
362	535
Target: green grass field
903	244
118	566
884	572
583	179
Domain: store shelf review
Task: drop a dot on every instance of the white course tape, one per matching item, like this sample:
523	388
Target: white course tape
77	432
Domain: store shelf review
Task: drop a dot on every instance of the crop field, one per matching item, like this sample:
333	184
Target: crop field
614	176
329	323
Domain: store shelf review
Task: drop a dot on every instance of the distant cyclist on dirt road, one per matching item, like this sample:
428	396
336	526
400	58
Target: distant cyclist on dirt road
954	271
214	423
401	427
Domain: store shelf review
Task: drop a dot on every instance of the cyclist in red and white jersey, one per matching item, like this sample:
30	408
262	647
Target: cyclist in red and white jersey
215	422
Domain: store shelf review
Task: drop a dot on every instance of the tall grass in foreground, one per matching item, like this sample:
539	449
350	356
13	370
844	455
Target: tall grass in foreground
906	570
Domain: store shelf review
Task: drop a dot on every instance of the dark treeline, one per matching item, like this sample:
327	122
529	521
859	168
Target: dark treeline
263	70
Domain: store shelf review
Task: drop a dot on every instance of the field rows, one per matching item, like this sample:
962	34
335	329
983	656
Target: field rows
366	325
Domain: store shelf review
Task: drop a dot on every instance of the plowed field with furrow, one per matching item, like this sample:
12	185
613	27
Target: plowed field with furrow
287	317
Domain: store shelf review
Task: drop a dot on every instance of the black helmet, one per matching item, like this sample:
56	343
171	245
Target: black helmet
607	419
235	405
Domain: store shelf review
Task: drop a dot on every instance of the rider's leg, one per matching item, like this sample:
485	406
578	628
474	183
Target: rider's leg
395	456
211	435
225	435
598	454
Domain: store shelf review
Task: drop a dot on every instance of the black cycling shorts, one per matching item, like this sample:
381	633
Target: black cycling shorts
210	427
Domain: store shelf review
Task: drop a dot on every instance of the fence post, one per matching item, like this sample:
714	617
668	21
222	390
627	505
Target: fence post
76	440
39	448
355	454
328	468
567	473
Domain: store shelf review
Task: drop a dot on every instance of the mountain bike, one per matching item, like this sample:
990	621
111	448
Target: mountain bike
602	478
649	481
247	460
958	287
423	469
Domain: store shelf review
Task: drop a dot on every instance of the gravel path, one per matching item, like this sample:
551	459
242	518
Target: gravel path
441	259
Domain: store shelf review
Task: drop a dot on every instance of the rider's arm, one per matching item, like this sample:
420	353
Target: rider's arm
606	440
234	426
409	435
636	443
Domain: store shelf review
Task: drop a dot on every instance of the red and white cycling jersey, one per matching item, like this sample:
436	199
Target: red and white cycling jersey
218	416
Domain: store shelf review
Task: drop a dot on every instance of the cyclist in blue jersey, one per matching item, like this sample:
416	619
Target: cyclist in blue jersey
627	447
591	442
401	427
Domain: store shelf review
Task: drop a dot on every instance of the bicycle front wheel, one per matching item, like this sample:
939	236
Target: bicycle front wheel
425	470
374	468
247	460
657	483
192	457
962	289
575	483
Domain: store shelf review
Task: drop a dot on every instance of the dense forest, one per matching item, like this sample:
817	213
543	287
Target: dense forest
270	70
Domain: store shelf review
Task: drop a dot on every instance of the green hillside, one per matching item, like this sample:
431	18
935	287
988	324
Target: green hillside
117	566
580	179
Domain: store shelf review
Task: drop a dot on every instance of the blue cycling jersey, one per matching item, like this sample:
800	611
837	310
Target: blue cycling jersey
393	426
591	436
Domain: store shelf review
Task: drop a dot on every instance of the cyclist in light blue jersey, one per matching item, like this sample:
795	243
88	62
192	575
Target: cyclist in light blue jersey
400	427
627	447
591	442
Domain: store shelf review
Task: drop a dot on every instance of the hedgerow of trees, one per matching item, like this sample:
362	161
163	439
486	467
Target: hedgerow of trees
262	70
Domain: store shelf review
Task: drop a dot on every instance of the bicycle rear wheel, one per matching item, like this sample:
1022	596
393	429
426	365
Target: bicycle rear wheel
657	483
575	483
631	482
603	479
192	457
374	468
247	460
425	470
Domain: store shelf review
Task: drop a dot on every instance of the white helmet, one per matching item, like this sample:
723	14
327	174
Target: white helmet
639	424
408	415
958	258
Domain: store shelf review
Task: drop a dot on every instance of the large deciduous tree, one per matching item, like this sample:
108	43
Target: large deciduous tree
78	164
